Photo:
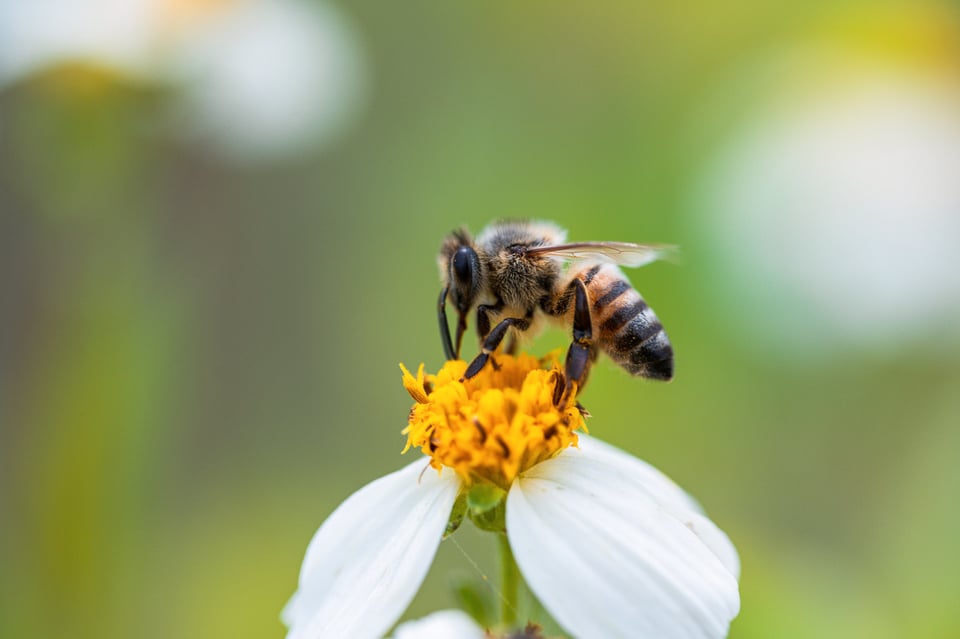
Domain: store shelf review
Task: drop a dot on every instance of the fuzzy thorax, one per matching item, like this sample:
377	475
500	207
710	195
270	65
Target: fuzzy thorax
492	427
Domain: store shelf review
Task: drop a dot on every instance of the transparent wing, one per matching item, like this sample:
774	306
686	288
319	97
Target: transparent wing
620	253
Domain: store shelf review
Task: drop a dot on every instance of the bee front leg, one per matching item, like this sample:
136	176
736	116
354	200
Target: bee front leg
582	351
492	341
444	326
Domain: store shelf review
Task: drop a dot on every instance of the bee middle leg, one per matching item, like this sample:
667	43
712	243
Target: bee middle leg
493	340
483	326
582	350
483	318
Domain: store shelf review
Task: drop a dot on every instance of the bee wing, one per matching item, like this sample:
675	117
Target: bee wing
620	253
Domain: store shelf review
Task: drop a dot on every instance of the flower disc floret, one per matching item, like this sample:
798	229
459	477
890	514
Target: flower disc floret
495	425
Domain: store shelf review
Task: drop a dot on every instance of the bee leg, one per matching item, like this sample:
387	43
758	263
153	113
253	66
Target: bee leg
582	351
492	341
483	318
444	327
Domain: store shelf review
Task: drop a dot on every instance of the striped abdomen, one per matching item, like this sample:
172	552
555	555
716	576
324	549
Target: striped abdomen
624	327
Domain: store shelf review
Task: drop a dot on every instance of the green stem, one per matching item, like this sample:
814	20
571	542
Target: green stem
509	582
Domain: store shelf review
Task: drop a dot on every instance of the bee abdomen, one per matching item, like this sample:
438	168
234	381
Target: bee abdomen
630	333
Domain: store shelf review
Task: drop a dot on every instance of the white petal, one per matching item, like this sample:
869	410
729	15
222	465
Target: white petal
663	489
607	556
445	624
660	487
368	559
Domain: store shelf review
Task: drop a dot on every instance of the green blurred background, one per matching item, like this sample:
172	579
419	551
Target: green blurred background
200	319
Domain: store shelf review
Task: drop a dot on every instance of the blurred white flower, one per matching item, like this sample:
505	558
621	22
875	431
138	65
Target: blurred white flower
445	624
611	546
38	34
270	77
839	218
254	78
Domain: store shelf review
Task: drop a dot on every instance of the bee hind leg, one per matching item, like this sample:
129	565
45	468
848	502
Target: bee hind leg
582	351
493	340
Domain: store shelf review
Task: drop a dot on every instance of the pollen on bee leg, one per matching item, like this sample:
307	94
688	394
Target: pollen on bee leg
495	425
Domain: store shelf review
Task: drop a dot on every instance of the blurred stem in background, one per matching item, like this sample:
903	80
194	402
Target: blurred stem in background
102	342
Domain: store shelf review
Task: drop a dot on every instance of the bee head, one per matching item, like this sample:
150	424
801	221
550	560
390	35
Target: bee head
462	272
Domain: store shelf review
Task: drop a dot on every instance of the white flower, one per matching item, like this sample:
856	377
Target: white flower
255	79
270	77
611	547
608	544
117	34
445	624
839	214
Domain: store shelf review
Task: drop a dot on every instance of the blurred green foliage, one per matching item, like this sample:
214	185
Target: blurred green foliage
198	362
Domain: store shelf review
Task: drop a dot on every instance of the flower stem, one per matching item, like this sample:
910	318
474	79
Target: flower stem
509	582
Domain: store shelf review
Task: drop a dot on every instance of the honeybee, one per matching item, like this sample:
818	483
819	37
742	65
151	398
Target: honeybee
516	274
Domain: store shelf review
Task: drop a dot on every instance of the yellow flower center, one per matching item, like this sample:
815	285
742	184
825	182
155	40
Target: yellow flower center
495	425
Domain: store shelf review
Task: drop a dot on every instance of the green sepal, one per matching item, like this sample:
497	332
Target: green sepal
484	496
486	504
456	515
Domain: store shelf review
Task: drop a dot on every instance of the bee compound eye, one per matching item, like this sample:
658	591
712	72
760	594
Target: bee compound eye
463	264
